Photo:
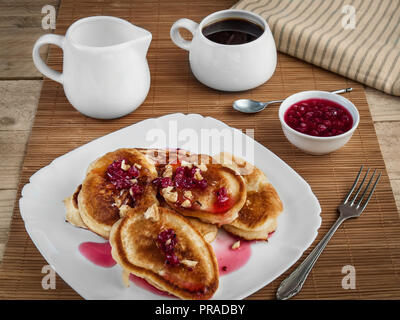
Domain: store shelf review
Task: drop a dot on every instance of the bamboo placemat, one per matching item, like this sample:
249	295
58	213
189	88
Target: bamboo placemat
371	243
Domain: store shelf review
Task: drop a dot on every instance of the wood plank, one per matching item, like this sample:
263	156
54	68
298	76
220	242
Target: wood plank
7	200
24	7
20	27
12	150
18	104
389	140
396	191
2	248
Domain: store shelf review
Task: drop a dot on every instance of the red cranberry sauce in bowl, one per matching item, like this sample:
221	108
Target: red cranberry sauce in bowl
318	117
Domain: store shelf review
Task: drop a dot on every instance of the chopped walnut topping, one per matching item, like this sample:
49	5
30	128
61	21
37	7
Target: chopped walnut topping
118	202
167	189
186	204
168	171
186	164
124	210
189	263
124	166
202	167
248	202
236	245
188	194
152	213
125	278
173	196
209	237
198	175
137	165
169	194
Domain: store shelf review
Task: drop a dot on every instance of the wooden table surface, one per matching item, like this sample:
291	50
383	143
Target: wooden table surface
20	85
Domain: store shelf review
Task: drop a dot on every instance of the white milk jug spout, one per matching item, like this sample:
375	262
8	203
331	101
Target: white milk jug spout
142	41
105	71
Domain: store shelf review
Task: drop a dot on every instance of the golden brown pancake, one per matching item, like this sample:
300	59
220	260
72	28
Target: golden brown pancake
72	209
258	217
100	199
202	203
207	230
161	157
135	246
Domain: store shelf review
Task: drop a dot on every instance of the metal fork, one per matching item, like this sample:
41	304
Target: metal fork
347	209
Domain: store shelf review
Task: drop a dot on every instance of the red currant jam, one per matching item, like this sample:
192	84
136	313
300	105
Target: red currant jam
319	117
167	241
119	177
223	201
184	178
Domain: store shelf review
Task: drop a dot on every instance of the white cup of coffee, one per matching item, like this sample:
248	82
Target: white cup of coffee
105	71
231	50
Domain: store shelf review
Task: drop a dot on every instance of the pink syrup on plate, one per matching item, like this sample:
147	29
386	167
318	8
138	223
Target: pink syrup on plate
100	255
147	286
228	259
97	253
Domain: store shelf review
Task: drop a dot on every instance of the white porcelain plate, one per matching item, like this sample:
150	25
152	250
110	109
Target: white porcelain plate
42	208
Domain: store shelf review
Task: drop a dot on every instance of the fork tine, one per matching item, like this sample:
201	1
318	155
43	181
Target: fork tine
372	191
365	190
354	185
359	187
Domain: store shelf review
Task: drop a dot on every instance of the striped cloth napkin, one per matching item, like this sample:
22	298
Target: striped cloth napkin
358	39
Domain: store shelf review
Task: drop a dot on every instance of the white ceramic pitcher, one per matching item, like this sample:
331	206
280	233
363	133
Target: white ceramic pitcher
105	71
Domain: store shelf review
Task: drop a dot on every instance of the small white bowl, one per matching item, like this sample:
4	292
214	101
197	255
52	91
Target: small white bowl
311	144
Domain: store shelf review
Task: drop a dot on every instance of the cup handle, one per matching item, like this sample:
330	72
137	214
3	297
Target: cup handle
177	38
39	63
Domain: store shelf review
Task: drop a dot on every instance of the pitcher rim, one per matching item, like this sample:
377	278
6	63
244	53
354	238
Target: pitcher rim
113	46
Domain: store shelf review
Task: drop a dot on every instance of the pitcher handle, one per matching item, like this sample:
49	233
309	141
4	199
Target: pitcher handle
175	35
39	63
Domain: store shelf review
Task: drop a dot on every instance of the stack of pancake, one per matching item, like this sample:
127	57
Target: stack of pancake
161	209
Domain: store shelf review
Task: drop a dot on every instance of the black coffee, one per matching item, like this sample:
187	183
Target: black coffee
232	31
